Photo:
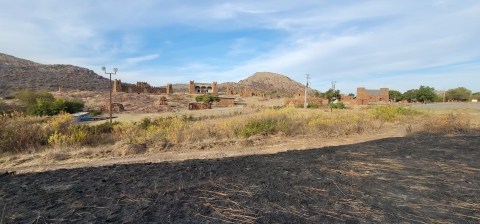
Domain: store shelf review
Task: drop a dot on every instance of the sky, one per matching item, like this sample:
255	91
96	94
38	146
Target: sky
373	44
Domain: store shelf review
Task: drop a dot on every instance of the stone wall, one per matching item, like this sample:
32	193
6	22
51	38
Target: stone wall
140	87
225	101
199	106
243	92
116	107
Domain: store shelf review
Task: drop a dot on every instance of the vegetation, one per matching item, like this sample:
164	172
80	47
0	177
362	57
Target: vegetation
337	105
209	99
21	134
458	94
423	94
44	104
395	95
332	95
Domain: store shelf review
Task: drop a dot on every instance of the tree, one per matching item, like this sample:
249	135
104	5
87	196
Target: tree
426	94
476	95
317	94
410	95
44	104
395	95
351	94
207	98
460	93
330	94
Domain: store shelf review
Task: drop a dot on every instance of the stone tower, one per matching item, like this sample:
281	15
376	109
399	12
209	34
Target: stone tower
169	89
117	85
215	88
191	88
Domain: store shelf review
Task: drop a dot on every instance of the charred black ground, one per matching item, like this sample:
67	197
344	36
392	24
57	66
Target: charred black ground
413	179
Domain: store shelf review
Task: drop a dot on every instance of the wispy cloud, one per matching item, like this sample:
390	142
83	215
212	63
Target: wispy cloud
133	61
358	43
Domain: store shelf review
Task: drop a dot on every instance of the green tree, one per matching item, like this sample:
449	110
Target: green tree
426	94
44	104
395	95
410	95
74	106
330	94
207	98
476	95
351	94
317	93
460	93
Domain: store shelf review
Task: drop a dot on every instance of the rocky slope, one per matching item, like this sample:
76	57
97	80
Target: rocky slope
16	73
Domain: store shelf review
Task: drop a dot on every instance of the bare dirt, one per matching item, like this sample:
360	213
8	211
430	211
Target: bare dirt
414	179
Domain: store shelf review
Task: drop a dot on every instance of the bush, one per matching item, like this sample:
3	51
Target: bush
207	98
338	105
44	104
255	127
312	105
93	113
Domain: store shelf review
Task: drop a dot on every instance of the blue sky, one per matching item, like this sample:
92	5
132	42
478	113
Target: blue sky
396	44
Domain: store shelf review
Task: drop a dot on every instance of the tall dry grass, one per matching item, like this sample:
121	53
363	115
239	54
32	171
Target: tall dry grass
20	134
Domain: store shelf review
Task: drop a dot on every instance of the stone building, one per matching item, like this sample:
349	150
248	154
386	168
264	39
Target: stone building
140	87
199	106
116	107
243	92
202	88
366	96
225	101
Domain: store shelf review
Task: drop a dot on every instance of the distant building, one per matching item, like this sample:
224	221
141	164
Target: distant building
366	96
203	88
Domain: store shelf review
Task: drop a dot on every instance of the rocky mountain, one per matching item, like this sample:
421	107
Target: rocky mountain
16	73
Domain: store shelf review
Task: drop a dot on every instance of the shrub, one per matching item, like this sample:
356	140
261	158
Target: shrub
255	127
93	113
207	98
312	105
338	105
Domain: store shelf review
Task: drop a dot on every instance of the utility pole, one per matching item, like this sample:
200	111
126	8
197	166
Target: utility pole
444	94
110	88
305	104
333	90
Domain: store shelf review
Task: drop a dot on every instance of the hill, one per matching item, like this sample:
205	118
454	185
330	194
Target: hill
17	73
267	82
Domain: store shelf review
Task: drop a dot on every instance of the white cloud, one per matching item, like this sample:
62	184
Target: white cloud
377	43
132	61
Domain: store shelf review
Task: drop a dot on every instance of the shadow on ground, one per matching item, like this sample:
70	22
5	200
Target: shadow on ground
412	179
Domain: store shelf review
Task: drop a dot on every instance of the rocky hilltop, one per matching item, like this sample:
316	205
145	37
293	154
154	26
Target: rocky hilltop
16	73
268	81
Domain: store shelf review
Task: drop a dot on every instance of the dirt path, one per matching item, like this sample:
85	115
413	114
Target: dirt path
281	144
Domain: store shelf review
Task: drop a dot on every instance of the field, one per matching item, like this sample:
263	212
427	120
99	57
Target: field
377	165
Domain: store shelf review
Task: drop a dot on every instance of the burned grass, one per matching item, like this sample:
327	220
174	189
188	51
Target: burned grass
415	179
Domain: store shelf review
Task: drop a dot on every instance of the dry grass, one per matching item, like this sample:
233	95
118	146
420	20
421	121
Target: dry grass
59	139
